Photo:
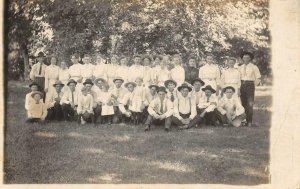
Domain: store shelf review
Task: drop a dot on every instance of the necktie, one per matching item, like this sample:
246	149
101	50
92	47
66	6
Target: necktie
172	97
245	70
118	92
207	99
40	71
161	106
72	97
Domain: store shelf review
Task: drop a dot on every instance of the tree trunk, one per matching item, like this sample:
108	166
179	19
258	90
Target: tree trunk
25	56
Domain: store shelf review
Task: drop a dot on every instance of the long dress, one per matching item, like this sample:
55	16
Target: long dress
64	76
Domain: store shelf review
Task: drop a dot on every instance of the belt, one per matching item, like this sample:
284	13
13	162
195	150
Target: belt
247	81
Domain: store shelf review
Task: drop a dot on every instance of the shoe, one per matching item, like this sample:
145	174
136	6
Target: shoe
183	127
147	128
167	129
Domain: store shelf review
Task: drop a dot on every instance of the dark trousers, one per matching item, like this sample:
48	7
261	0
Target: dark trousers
34	120
176	121
68	112
209	118
88	117
167	121
41	82
247	98
144	115
55	113
117	117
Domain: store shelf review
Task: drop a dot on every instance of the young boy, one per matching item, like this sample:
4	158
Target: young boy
53	102
184	106
207	105
230	110
171	92
37	110
105	105
160	109
138	101
69	101
85	107
151	94
28	98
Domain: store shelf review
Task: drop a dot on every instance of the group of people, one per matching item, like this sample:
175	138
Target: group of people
153	89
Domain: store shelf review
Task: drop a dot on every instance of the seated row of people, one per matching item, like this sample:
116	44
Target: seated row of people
186	105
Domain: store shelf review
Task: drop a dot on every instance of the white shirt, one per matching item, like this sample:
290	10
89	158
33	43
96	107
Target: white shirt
85	103
34	72
75	71
126	100
123	73
208	106
149	97
154	107
134	72
105	98
178	74
197	95
64	75
50	98
184	105
87	71
119	93
231	77
169	94
67	97
210	74
231	105
100	71
163	75
249	72
29	100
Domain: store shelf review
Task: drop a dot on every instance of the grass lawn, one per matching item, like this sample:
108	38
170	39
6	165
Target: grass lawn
69	153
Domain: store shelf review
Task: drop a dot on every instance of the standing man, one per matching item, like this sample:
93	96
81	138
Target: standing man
37	72
160	109
53	99
250	76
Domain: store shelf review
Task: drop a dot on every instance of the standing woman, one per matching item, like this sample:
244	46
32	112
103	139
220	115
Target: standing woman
156	68
178	73
64	75
75	71
191	71
163	74
210	73
112	70
123	69
148	80
100	68
136	70
51	75
231	77
87	67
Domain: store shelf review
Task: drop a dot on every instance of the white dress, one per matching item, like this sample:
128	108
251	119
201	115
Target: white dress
134	72
51	75
64	76
100	71
123	73
111	74
138	98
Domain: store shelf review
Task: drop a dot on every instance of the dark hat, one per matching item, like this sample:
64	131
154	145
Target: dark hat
71	81
130	83
208	87
229	87
37	92
198	79
157	56
33	83
118	78
247	53
184	85
163	89
58	83
150	86
41	54
99	79
88	81
170	81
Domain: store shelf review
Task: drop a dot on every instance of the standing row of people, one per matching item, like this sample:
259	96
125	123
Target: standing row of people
115	82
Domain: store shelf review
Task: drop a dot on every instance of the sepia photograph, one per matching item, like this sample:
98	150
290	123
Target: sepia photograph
137	92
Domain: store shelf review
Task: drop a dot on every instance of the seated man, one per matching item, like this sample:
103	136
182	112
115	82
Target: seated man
207	105
53	102
171	92
150	95
230	110
69	101
197	93
118	93
85	107
184	106
37	110
28	98
125	105
160	109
